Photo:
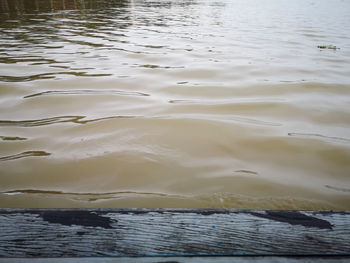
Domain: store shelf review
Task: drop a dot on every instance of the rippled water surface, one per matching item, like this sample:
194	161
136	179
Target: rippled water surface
179	103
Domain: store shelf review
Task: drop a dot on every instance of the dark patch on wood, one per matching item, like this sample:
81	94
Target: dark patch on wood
171	232
79	218
295	218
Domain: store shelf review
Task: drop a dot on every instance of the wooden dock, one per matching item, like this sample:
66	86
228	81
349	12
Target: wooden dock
180	233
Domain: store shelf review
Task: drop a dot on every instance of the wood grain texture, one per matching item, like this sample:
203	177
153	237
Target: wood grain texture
199	259
171	232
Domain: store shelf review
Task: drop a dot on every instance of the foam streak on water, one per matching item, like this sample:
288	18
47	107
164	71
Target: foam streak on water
175	103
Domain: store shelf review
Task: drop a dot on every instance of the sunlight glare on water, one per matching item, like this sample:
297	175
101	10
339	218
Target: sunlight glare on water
175	103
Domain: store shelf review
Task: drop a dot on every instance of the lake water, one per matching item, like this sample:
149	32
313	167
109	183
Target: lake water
179	103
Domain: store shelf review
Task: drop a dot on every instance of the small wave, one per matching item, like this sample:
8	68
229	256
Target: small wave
50	75
341	189
34	59
246	172
91	197
41	122
87	92
254	121
129	51
155	66
9	138
54	120
153	46
183	101
26	78
24	155
296	134
85	43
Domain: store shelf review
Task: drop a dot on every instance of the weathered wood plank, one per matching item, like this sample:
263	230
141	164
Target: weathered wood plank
171	232
224	259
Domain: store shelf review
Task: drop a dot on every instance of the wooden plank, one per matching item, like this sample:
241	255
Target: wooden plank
224	259
171	232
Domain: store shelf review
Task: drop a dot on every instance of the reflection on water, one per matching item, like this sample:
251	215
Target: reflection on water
179	103
30	6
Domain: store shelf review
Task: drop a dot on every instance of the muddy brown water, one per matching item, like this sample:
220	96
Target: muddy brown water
179	103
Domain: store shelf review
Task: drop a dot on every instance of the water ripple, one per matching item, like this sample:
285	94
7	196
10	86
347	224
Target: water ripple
227	81
315	135
88	196
87	92
24	155
9	138
341	189
54	120
156	66
246	172
50	75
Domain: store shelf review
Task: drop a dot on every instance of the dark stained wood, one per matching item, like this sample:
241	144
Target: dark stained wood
171	232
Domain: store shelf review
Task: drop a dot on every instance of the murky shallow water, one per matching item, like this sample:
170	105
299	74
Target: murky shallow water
176	103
